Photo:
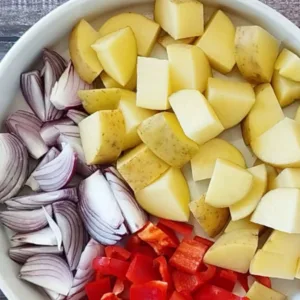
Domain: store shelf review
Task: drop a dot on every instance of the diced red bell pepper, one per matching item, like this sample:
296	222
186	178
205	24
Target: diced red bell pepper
243	280
203	241
180	296
133	242
110	296
207	272
163	268
211	292
117	252
145	250
118	287
99	276
188	256
225	279
180	227
111	266
156	238
185	282
266	281
95	290
153	290
169	232
141	270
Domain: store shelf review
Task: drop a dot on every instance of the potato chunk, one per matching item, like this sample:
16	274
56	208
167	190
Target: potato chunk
259	292
243	224
109	82
166	40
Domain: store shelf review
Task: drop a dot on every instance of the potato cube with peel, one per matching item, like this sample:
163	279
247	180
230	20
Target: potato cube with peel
180	18
210	218
231	100
168	197
259	292
102	136
243	224
297	116
166	40
117	53
233	250
203	163
288	178
140	167
109	82
272	174
189	67
163	134
217	42
222	190
153	83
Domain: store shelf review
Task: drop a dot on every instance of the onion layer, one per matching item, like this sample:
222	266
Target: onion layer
76	115
53	295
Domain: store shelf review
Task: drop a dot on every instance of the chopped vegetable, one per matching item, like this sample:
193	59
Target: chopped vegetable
185	282
169	232
95	290
163	269
180	227
226	279
110	296
111	266
117	252
203	241
76	115
153	290
266	281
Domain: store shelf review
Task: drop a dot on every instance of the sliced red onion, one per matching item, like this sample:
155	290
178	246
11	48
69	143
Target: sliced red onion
68	130
41	199
134	215
53	295
85	273
32	87
21	254
25	221
14	164
76	115
48	271
58	172
64	92
50	133
51	154
72	230
54	66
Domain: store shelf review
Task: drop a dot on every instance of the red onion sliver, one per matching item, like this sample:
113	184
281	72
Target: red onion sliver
76	115
68	130
53	295
64	92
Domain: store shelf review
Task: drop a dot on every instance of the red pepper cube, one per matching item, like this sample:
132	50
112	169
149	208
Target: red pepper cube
95	290
185	282
180	296
141	270
180	227
243	280
156	238
266	281
153	290
207	272
188	256
203	241
225	279
132	242
145	250
109	296
161	264
119	287
117	252
168	231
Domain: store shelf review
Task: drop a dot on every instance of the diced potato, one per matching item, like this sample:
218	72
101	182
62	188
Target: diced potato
164	136
243	224
168	197
247	205
231	100
102	136
287	91
109	82
256	51
279	209
288	65
84	58
280	145
166	40
196	117
189	67
153	83
297	116
265	113
133	117
229	184
145	30
117	53
203	163
298	270
140	167
180	19
233	250
259	292
217	42
272	174
273	265
288	178
211	219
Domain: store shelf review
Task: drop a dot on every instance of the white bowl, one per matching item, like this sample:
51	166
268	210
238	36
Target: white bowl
52	31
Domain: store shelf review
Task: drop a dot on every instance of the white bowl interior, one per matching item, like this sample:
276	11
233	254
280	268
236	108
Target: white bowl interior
53	31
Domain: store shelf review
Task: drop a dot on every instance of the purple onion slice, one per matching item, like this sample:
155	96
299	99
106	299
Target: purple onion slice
76	115
54	296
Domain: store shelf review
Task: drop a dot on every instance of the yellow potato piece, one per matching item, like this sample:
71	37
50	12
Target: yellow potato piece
217	42
180	18
279	209
102	136
117	53
145	30
243	224
196	117
247	205
259	292
140	167
272	174
203	163
109	82
286	90
211	219
84	58
265	113
231	100
297	116
164	136
233	250
133	117
273	265
222	190
298	270
288	178
288	65
189	67
168	197
256	51
153	83
166	40
280	145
